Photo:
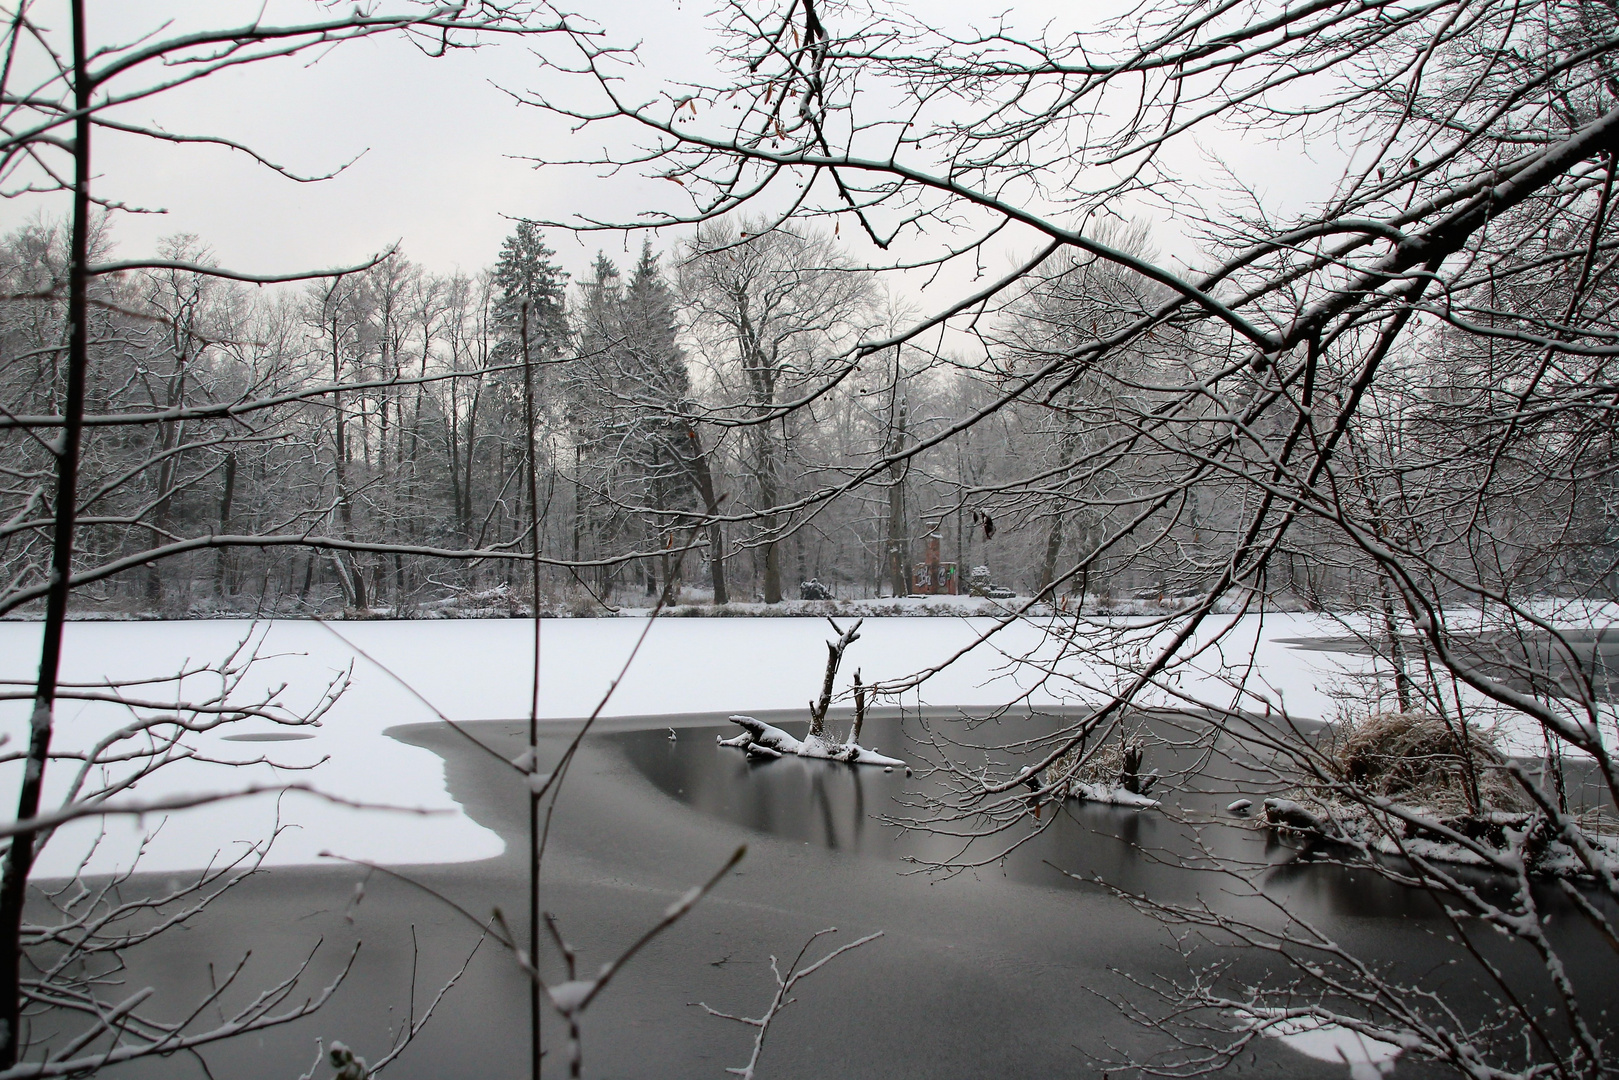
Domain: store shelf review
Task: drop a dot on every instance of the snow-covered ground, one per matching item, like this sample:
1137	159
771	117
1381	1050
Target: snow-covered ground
472	670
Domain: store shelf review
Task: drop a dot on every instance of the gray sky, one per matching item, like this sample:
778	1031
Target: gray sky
438	139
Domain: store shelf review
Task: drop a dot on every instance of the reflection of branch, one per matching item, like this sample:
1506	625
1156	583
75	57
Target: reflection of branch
784	987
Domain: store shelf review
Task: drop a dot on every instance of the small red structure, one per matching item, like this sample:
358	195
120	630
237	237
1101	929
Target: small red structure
931	577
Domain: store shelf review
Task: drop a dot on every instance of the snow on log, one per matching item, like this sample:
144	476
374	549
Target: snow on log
1110	794
1287	814
1109	774
759	736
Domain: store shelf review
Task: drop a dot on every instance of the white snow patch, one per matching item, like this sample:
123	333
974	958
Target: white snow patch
1110	794
1367	1058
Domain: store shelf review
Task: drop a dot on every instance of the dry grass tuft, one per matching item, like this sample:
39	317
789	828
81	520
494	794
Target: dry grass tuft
1103	763
1417	758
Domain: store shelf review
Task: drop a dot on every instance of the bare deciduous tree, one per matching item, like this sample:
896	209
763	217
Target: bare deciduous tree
768	310
57	93
1401	379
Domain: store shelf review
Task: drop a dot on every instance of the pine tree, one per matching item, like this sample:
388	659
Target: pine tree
531	300
589	389
658	381
656	360
525	272
639	456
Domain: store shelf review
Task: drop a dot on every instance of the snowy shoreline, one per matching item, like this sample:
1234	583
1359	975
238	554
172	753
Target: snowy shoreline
884	607
479	669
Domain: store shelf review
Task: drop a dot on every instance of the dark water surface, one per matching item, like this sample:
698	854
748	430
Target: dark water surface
1004	970
1162	853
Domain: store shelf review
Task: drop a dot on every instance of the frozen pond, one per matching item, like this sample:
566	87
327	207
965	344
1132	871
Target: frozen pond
849	810
479	669
1002	970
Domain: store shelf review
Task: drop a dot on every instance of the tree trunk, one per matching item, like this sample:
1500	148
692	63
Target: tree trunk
169	436
158	532
899	542
1048	564
1403	686
768	494
348	572
772	583
702	478
222	564
19	860
834	657
578	500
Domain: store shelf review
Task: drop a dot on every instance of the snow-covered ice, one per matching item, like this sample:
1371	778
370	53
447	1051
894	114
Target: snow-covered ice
472	670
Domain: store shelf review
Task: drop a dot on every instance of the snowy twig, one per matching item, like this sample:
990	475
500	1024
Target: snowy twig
573	996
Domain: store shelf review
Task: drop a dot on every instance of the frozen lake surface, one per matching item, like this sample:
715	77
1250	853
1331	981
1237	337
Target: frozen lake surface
477	670
1008	970
480	669
979	973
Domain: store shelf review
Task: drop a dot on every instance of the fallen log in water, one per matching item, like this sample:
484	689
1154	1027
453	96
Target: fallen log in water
767	740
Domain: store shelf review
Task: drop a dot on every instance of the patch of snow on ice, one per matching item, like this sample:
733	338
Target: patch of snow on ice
1367	1058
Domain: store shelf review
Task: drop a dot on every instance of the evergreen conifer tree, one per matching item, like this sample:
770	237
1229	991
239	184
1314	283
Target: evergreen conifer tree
525	272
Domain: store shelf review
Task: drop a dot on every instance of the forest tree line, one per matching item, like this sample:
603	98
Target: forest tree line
714	419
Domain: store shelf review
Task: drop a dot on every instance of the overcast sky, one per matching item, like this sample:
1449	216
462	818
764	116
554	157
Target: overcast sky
438	140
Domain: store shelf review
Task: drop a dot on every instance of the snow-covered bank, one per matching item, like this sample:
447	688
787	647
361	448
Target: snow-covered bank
479	670
505	602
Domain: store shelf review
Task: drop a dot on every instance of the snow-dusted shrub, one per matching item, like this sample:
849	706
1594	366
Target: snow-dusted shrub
579	604
1107	772
1415	785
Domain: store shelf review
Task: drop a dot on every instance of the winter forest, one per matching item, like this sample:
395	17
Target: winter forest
366	438
1117	510
646	385
360	444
